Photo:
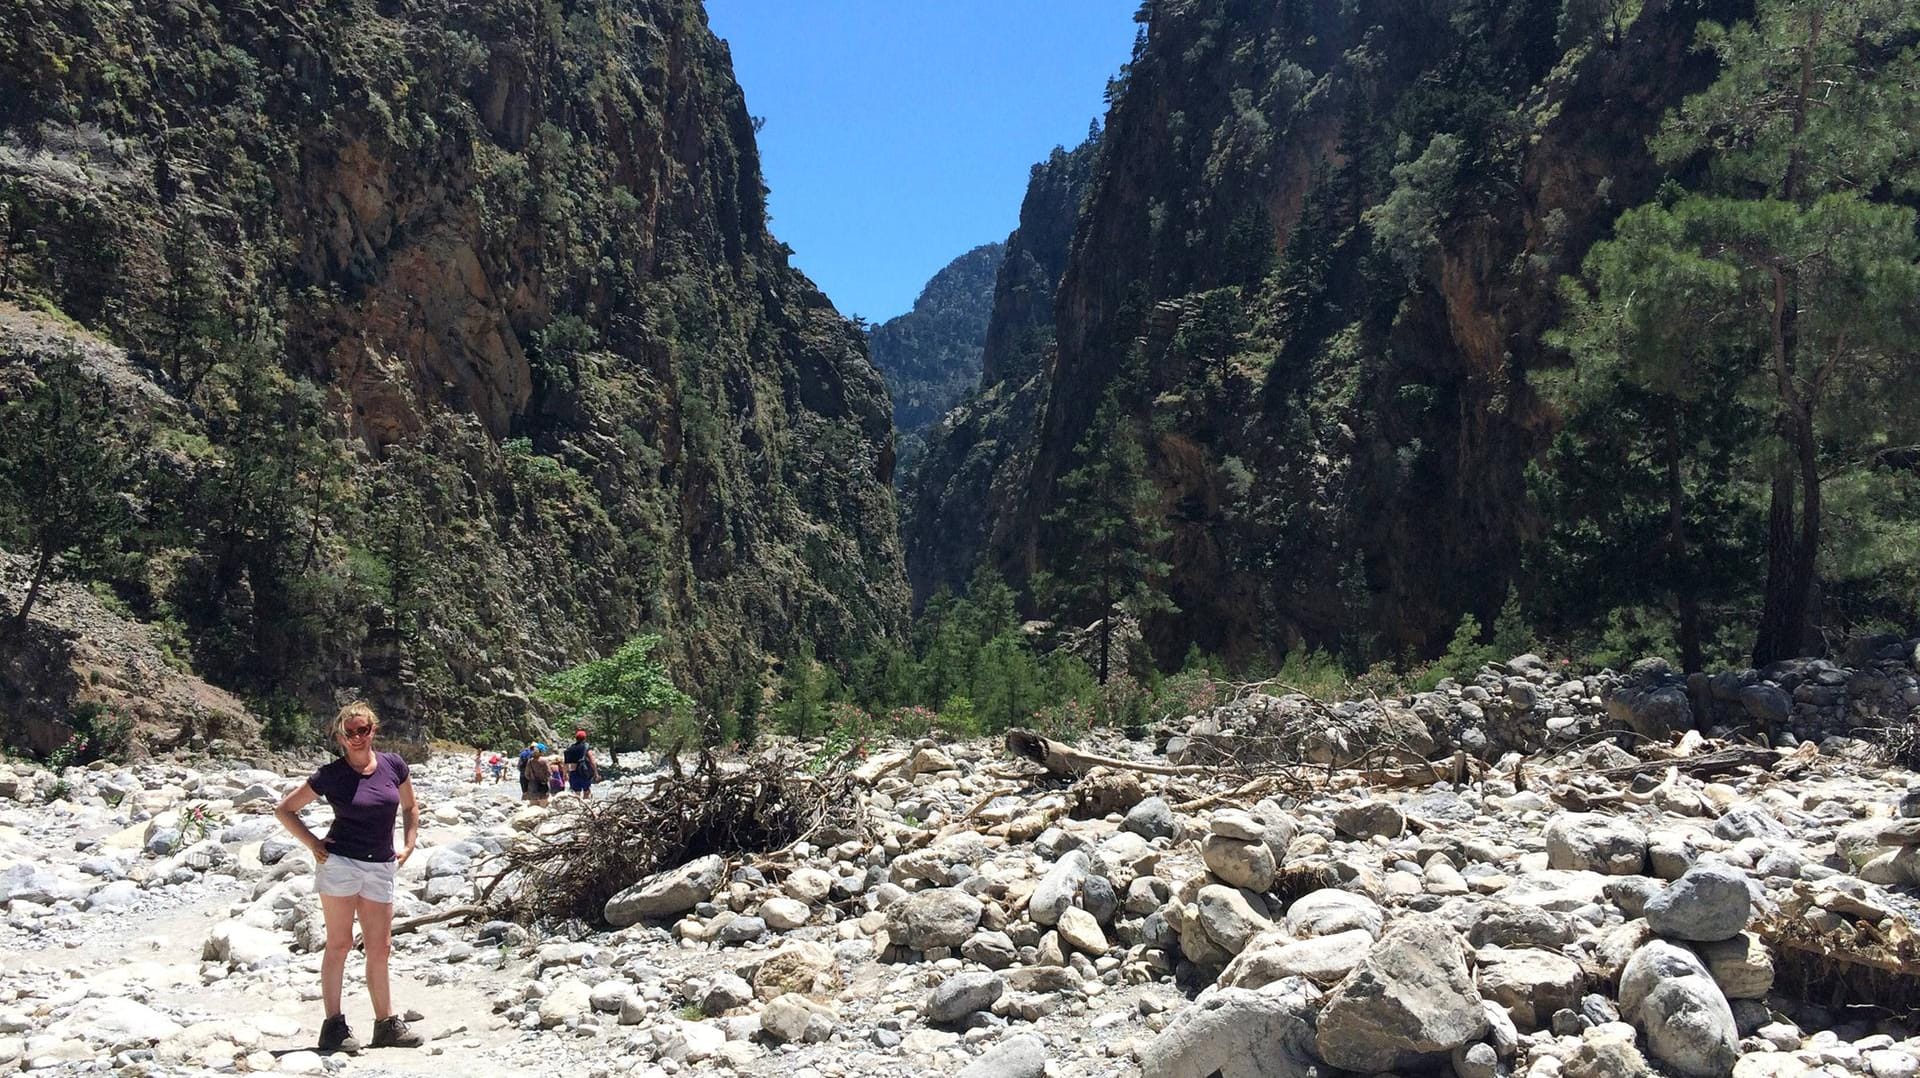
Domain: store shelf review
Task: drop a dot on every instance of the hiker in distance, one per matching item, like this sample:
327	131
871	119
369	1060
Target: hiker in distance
354	869
582	769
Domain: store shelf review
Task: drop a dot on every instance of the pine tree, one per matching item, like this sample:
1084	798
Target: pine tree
1792	253
1110	520
1007	683
63	467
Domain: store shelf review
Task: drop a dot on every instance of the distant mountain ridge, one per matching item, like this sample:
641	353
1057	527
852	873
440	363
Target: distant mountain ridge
931	356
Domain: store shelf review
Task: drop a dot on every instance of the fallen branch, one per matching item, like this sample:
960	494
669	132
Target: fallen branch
413	924
1061	759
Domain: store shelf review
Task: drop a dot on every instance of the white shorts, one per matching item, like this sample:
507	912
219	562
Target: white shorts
341	877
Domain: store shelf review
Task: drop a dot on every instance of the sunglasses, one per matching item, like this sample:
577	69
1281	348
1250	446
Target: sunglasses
357	732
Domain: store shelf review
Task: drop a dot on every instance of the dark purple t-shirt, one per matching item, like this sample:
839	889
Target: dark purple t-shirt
364	806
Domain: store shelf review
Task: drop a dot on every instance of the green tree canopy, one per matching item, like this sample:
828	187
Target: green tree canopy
617	695
63	465
1793	258
1110	521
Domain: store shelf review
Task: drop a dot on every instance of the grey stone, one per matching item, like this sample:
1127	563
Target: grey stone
742	929
961	995
1329	911
1229	918
1369	818
1502	924
1409	1003
1274	955
1239	863
1711	902
1741	966
1237	1033
1650	700
1750	821
1058	888
1016	1057
1233	823
1766	703
667	894
943	917
796	1019
991	949
1530	983
1667	992
26	882
1476	1060
726	992
1097	897
1587	842
1151	818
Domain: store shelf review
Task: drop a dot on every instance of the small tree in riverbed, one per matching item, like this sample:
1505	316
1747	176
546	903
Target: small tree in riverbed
617	695
62	468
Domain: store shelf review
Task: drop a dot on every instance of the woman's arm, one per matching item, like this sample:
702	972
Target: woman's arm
288	813
410	815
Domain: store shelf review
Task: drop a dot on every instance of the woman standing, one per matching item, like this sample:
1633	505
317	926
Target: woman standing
355	868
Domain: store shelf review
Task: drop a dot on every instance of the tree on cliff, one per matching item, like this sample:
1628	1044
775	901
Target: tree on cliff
1110	522
1793	254
62	468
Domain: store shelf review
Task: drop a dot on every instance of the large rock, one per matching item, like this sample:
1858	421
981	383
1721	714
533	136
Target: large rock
1237	1033
1710	903
1409	1004
1016	1057
1058	888
569	998
1239	862
117	1022
1689	1026
796	1019
1329	911
961	995
1152	818
1530	983
244	946
669	893
1381	733
26	882
1369	818
1276	955
1741	966
1651	700
1588	842
942	917
1229	918
800	967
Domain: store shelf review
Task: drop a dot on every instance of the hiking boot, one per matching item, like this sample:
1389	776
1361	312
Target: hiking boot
391	1032
336	1037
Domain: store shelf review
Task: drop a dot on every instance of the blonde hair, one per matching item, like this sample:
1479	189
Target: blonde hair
359	709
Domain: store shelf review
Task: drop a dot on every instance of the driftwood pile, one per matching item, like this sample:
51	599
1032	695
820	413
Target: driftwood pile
570	865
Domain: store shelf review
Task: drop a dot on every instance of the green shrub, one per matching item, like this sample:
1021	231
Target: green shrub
957	717
1464	657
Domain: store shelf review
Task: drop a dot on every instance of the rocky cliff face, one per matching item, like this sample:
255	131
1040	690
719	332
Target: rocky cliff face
1329	235
930	356
970	473
521	251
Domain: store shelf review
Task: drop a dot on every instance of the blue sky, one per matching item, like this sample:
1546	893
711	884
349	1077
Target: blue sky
899	132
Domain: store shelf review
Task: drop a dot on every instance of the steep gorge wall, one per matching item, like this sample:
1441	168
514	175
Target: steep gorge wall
1334	400
521	248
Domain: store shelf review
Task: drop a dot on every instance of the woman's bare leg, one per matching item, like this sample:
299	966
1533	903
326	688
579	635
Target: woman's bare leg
376	932
338	912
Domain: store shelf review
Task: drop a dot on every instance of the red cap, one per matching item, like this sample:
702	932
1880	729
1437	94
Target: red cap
579	735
